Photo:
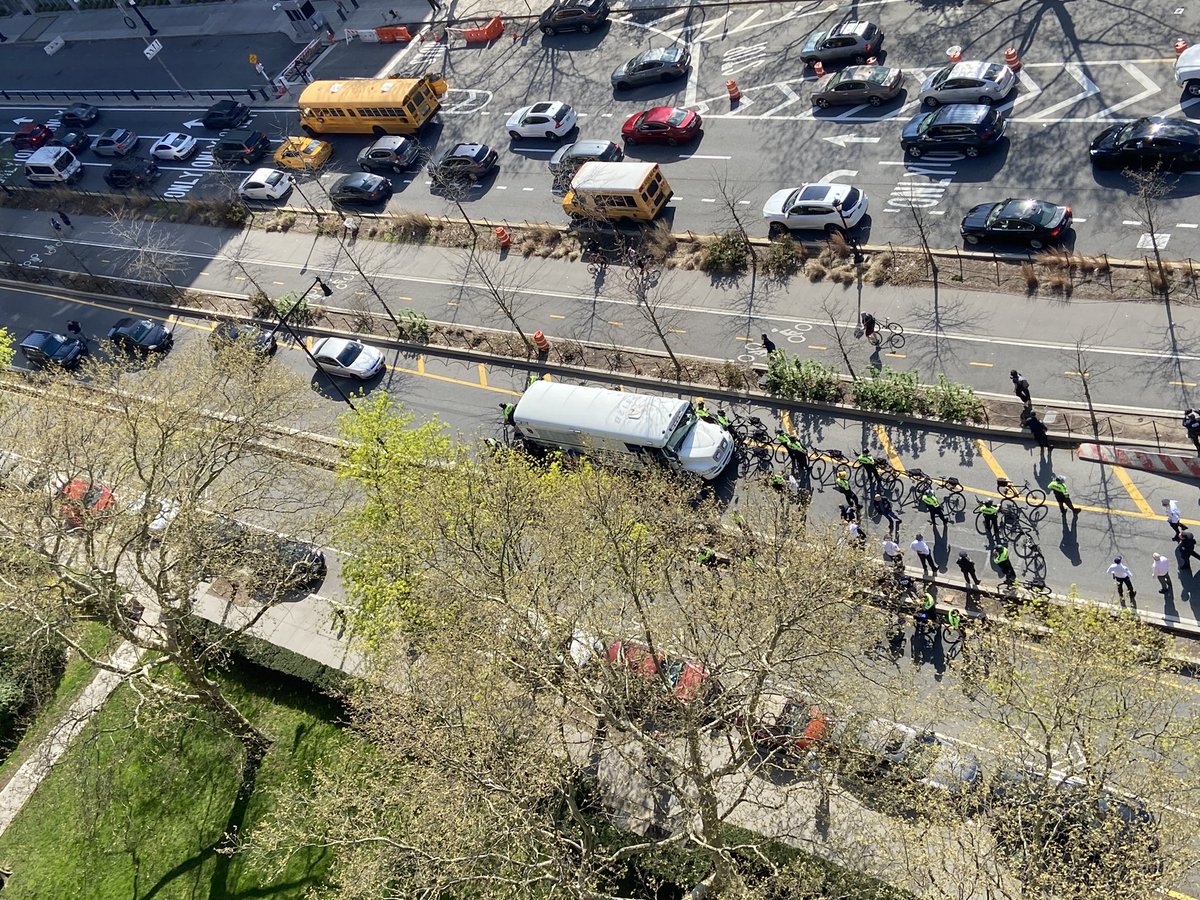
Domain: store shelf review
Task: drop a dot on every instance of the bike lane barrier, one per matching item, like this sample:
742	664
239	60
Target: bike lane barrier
1147	460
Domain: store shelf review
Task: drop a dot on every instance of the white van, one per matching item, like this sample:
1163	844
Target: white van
621	428
53	165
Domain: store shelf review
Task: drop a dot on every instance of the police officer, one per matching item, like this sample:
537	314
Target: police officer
1058	487
1191	421
991	518
1001	561
866	462
933	506
842	483
1020	387
967	566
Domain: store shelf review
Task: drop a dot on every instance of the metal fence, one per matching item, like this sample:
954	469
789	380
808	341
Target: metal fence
254	92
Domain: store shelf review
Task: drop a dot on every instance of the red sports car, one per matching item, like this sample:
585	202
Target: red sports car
82	500
687	680
662	125
31	137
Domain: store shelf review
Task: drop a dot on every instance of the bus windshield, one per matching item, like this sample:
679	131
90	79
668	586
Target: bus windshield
686	423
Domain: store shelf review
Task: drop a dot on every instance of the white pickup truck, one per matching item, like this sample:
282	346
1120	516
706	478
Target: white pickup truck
1187	71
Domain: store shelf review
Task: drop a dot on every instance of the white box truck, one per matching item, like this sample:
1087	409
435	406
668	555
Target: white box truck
621	427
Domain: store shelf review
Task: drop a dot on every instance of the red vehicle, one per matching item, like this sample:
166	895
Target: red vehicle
31	137
81	500
788	725
662	125
687	679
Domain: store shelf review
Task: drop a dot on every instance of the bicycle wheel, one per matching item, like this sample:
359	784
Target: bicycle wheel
1036	514
874	338
1036	498
896	329
1026	546
979	524
1035	566
956	503
817	469
952	638
896	342
781	453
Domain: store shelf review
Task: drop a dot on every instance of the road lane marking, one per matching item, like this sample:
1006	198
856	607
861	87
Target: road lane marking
483	375
897	355
817	347
989	460
555	316
1134	494
1183	383
618	324
421	364
892	455
986	365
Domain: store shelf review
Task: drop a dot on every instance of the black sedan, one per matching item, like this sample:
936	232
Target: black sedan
1147	143
45	348
361	189
141	336
79	114
226	334
74	139
131	173
225	114
1033	223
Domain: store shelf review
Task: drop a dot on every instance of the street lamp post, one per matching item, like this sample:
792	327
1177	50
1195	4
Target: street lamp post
858	257
302	344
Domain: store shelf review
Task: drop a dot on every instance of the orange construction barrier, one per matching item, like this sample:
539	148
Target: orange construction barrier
539	341
1180	46
818	68
1012	60
735	92
503	237
954	54
389	34
488	32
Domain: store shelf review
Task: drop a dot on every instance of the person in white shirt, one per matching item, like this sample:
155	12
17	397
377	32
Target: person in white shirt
1162	571
1123	577
891	552
1173	516
921	548
856	533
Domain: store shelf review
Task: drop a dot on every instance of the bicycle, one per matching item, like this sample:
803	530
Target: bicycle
981	519
836	460
597	265
1032	590
877	475
790	449
1010	493
894	334
922	482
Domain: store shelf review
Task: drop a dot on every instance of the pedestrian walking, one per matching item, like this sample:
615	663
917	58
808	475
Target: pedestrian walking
351	227
768	345
990	512
1058	487
842	483
1038	428
56	225
1173	516
891	552
1001	561
933	505
925	555
65	219
1187	549
1020	387
1191	421
883	506
1123	577
74	328
856	533
1162	571
967	566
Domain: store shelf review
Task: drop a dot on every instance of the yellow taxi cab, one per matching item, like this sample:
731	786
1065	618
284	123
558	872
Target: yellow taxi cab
303	153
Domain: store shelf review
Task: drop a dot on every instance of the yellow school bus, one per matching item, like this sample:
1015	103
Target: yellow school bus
375	106
617	190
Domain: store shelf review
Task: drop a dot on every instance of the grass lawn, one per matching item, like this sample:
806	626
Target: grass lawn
139	811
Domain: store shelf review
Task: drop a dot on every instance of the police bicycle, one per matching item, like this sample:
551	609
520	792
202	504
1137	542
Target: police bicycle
922	483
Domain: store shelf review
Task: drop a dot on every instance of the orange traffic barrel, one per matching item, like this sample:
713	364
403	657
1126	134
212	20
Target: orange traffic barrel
1011	59
1180	46
539	341
503	237
735	93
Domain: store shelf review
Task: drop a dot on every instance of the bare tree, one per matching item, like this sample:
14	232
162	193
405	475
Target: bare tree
152	252
1150	187
645	286
504	289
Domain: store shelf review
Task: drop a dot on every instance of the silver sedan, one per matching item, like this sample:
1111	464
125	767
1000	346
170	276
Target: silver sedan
968	82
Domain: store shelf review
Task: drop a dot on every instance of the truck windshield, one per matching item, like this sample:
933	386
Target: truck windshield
686	422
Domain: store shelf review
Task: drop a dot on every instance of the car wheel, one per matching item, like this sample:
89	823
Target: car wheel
932	102
246	160
972	152
472	178
548	31
875	101
971	238
776	230
1036	244
831	230
514	135
985	101
623	85
365	167
671	142
811	61
859	59
586	29
1193	88
914	152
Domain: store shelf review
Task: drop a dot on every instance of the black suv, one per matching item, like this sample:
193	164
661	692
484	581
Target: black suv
225	114
130	173
389	154
970	128
468	162
242	146
573	15
44	348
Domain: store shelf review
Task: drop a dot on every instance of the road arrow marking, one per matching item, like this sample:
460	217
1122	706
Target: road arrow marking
194	123
843	140
836	174
22	121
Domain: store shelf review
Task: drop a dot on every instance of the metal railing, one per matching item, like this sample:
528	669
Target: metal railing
254	92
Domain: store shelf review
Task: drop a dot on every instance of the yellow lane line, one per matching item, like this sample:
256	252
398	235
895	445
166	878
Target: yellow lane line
1178	896
988	459
892	455
897	355
818	346
677	330
308	342
985	365
421	364
482	375
555	316
616	323
742	339
449	380
1134	494
1183	383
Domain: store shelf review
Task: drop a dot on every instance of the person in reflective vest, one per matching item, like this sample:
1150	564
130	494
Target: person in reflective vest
1001	561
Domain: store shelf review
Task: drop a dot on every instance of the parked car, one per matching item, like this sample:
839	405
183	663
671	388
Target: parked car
73	138
652	66
967	128
1033	223
82	501
265	184
874	85
855	42
244	553
361	189
79	114
174	145
684	679
226	114
876	750
815	207
549	119
242	146
464	162
303	153
346	359
1148	143
31	136
226	334
786	726
115	142
140	336
968	82
389	153
46	348
662	125
573	15
568	158
129	173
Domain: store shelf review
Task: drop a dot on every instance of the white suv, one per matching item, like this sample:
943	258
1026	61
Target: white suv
815	207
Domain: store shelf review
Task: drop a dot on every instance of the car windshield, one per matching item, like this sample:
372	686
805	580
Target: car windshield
311	148
140	330
1036	211
676	118
814	39
480	153
349	354
941	77
177	140
273	179
994	72
51	344
923	125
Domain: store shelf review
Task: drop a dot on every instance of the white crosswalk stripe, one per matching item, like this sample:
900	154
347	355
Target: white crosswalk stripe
742	59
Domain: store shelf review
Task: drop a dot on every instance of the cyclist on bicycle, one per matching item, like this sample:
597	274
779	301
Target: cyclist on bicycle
869	325
796	451
867	463
991	514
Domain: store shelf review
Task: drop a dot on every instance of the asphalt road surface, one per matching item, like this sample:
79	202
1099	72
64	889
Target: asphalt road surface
1081	73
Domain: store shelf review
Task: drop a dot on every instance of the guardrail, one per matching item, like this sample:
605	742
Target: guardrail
254	92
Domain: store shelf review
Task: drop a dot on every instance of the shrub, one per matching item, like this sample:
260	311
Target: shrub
953	402
1030	275
888	391
301	312
261	304
659	242
781	258
724	253
410	226
797	379
414	326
